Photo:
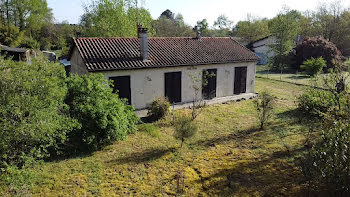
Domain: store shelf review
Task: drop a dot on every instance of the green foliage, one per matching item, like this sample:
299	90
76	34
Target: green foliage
313	66
184	128
172	27
284	28
252	29
33	116
10	35
203	27
151	129
331	157
114	18
314	102
315	47
30	43
28	16
159	108
332	98
103	117
264	105
18	180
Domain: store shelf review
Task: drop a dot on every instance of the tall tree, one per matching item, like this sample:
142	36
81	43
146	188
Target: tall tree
223	26
167	14
172	27
284	27
27	16
203	27
331	21
111	18
252	29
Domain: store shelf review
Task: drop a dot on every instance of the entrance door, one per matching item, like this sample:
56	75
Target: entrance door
173	87
240	80
122	86
209	84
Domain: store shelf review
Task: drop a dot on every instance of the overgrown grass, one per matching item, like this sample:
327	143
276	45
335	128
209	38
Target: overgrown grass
228	156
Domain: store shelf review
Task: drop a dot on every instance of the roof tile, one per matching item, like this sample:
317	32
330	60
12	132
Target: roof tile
101	54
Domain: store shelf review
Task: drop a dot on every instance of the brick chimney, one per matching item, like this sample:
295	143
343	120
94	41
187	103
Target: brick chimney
198	33
143	36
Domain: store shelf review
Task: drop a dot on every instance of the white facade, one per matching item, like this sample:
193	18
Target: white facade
148	84
262	46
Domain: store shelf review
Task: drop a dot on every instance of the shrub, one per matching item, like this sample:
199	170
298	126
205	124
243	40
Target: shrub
150	129
313	103
327	163
333	97
102	116
33	116
184	128
313	66
264	106
331	157
159	108
317	47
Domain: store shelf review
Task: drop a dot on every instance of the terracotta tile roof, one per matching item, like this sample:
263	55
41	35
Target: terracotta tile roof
100	54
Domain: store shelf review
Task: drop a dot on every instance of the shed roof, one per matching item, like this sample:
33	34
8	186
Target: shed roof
101	54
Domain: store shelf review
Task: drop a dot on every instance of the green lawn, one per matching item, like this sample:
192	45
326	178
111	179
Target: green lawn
227	157
297	78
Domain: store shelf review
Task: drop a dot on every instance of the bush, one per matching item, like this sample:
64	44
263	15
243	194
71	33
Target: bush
102	116
159	109
34	120
317	47
331	157
264	106
313	66
333	97
184	128
314	103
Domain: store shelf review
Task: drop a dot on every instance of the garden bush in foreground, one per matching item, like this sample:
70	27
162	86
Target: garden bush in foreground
102	116
34	119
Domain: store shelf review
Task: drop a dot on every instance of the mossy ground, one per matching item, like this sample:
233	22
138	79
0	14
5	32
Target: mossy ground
228	156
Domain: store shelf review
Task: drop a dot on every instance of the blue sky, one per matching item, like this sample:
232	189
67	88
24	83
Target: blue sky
194	10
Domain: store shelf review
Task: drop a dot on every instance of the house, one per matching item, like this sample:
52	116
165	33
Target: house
145	68
262	49
17	54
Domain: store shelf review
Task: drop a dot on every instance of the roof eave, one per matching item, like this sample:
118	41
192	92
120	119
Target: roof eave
166	66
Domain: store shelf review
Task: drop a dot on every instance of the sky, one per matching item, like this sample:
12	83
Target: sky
195	10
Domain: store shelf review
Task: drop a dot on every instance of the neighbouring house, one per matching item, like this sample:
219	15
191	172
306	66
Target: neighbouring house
262	49
145	68
17	54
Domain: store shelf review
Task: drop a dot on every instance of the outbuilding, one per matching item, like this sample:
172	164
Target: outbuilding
145	68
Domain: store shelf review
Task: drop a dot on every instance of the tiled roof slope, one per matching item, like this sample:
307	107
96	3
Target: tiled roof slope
100	54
